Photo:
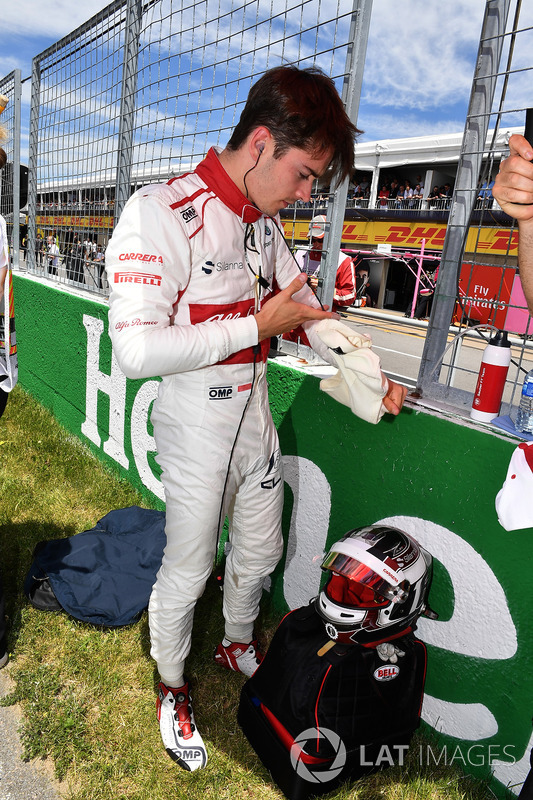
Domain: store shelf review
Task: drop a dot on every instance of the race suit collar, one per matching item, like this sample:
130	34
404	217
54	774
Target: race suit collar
211	171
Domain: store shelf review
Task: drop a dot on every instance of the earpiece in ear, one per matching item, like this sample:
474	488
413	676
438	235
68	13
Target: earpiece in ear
260	147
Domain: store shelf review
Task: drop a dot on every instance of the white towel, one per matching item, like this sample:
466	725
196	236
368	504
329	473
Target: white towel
359	382
514	501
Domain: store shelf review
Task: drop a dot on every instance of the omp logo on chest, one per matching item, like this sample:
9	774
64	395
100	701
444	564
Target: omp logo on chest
138	277
220	392
188	214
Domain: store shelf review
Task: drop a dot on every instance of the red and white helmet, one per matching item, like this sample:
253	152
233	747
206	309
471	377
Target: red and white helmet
378	586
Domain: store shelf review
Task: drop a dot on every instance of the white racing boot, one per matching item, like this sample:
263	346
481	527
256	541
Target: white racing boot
180	735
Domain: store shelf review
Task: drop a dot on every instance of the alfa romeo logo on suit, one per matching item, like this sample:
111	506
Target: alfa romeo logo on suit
316	769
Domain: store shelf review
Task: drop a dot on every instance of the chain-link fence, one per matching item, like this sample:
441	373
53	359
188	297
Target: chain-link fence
140	93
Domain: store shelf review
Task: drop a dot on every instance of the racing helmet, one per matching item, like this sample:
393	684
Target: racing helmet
378	583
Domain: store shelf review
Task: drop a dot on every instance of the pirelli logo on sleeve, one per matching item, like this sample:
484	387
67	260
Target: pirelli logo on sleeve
145	278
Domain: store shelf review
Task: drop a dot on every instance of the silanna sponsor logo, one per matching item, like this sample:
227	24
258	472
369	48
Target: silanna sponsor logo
221	266
138	277
188	214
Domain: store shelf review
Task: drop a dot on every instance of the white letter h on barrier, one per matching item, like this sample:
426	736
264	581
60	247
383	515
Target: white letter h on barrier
113	385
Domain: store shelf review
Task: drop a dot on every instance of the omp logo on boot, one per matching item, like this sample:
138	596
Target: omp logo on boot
318	769
190	758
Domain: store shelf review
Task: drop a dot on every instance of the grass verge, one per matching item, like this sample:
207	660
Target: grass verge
88	694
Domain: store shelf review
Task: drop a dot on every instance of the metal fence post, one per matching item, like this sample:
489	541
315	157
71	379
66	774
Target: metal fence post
17	83
31	238
473	145
127	105
351	95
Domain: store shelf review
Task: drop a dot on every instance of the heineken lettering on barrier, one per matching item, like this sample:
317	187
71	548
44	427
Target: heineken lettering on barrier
421	472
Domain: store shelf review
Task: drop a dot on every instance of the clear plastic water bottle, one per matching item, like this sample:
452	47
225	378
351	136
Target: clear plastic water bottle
524	418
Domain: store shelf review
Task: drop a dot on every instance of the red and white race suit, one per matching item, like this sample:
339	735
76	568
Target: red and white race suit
184	294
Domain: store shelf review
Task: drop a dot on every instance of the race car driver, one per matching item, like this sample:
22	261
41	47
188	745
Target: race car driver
192	266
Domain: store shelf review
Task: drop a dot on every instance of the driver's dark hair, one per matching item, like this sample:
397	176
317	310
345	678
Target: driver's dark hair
301	108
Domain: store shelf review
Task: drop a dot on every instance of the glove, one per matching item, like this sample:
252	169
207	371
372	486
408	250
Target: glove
359	382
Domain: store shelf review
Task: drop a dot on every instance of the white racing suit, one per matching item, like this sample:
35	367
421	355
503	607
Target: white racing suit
184	292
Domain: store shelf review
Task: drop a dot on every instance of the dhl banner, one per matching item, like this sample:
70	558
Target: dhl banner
67	221
357	233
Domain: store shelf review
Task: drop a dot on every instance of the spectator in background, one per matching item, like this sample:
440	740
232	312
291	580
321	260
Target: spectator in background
445	194
400	195
53	256
434	197
383	197
407	195
362	282
309	262
99	260
39	250
485	194
74	261
418	194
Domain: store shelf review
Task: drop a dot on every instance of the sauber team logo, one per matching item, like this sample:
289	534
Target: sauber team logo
138	277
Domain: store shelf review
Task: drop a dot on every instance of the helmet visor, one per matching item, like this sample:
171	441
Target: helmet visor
356	571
